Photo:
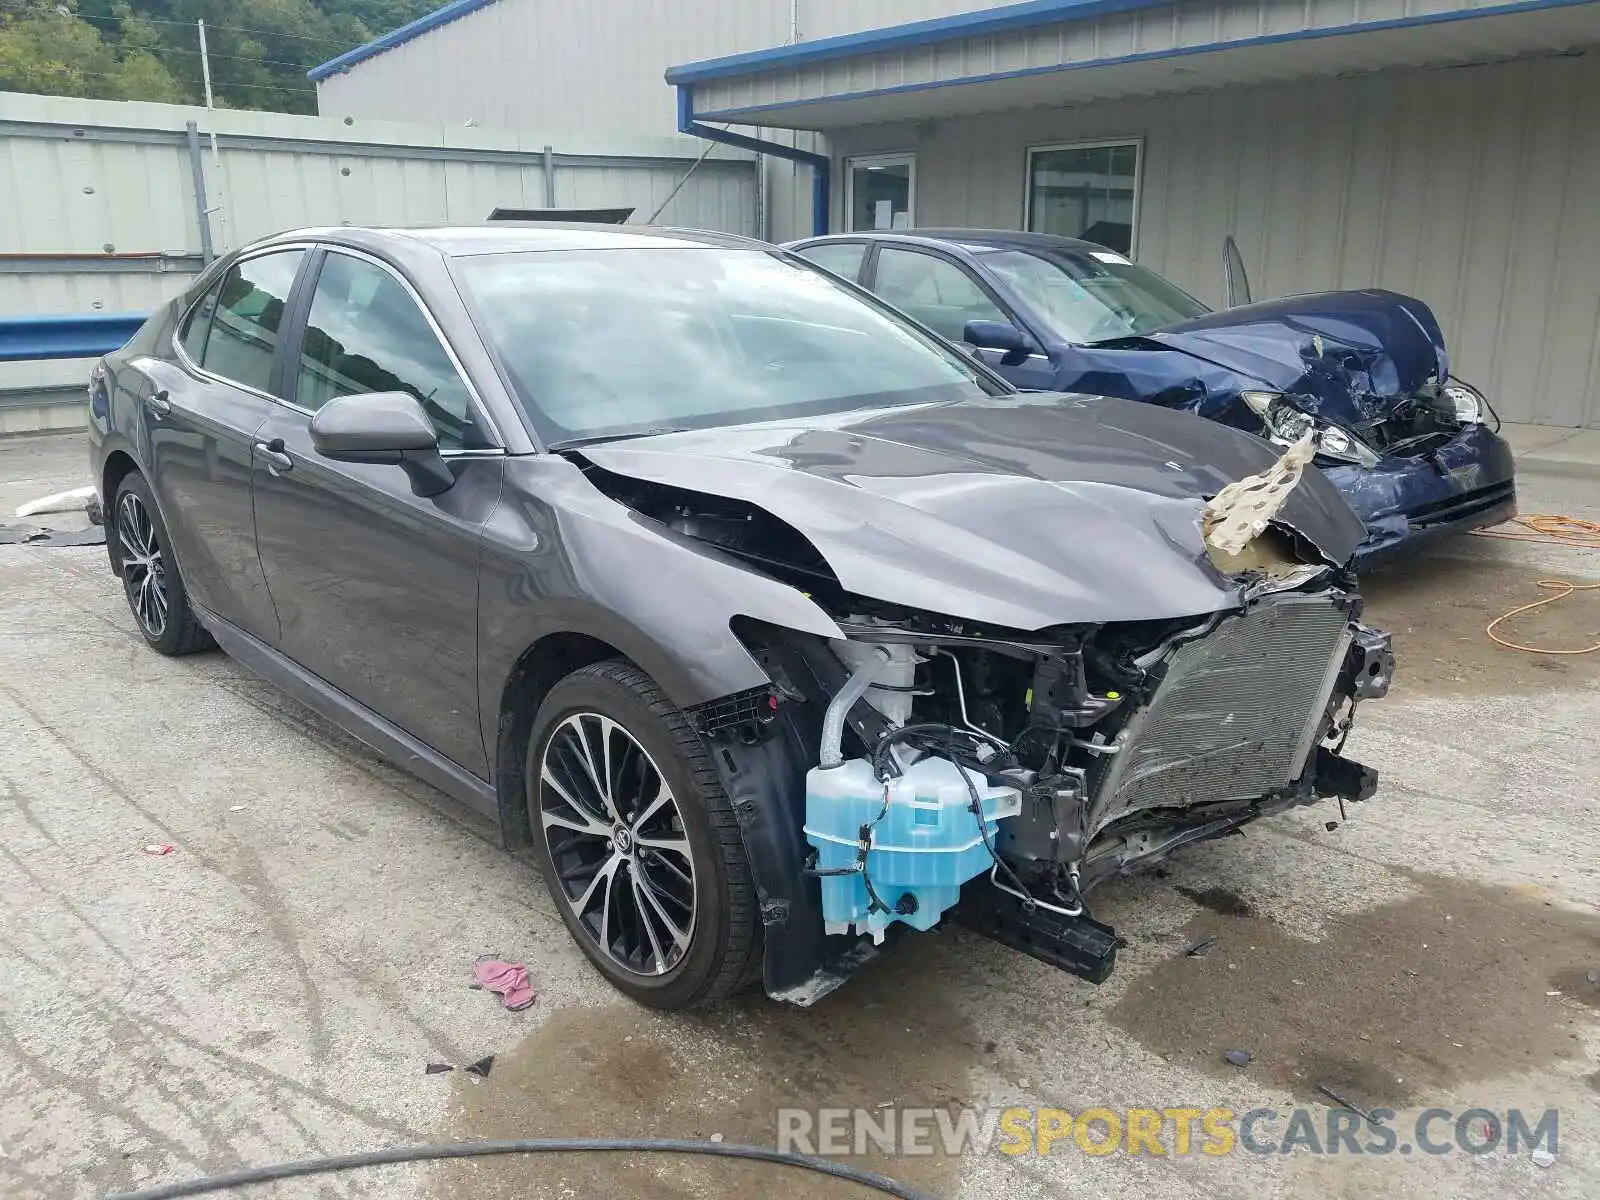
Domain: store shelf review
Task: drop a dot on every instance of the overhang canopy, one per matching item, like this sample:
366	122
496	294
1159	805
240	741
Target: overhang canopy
1059	52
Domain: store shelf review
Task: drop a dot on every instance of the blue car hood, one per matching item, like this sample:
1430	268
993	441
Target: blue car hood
1349	356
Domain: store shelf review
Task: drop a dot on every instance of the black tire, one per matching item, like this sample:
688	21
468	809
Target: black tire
152	585
723	951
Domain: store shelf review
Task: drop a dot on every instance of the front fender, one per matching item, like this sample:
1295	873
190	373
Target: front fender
559	556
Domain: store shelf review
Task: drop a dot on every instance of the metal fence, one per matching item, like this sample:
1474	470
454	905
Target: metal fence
110	208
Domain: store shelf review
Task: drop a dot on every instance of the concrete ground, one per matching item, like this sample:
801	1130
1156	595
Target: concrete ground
274	988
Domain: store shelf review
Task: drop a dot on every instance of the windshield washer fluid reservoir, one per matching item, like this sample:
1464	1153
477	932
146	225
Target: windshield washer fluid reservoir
925	842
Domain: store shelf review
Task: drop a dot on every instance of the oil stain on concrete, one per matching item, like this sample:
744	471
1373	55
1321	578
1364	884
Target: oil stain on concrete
891	1036
1437	607
1399	1003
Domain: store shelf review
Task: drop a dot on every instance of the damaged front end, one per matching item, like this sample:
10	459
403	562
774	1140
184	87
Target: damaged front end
1414	449
924	766
1011	775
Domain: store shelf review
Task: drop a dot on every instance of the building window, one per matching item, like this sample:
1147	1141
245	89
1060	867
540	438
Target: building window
881	191
1088	191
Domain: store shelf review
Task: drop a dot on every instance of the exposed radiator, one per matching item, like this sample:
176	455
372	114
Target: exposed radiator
1238	712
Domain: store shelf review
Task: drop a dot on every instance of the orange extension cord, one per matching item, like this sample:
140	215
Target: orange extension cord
1551	529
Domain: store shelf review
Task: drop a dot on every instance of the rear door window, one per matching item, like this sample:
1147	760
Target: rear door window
246	318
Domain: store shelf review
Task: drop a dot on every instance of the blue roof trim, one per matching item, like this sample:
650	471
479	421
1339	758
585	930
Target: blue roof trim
746	114
438	17
903	37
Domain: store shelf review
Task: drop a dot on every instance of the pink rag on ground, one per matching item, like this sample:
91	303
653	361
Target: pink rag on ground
510	980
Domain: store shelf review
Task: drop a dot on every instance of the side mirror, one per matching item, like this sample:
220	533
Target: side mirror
1000	335
383	427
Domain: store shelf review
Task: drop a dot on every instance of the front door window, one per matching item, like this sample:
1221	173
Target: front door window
882	192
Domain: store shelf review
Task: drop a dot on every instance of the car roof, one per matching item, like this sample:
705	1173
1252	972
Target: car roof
976	238
510	237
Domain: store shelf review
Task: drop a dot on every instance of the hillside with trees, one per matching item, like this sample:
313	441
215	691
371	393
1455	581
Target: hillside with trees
149	49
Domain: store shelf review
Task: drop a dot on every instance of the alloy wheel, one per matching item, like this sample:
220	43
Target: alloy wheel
617	843
143	570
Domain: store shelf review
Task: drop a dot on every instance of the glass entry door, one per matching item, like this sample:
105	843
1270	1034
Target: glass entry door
881	191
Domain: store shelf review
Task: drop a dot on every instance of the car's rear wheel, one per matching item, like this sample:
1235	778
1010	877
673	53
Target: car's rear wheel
637	841
150	577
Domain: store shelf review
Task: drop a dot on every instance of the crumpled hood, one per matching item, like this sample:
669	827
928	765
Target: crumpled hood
1350	354
1022	511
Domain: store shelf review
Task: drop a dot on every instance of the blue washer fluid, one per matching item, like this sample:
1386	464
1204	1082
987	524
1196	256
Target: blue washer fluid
924	847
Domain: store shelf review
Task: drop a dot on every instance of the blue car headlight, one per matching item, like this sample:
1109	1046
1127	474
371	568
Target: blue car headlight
1287	424
1466	402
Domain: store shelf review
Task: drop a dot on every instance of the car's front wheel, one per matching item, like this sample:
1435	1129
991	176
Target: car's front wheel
150	577
637	840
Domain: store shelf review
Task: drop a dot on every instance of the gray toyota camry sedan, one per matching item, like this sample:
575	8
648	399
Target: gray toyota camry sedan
778	626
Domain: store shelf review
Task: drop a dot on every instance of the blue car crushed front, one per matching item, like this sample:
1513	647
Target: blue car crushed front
1371	363
1467	483
1403	440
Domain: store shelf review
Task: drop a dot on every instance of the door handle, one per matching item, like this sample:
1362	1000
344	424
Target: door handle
158	404
277	460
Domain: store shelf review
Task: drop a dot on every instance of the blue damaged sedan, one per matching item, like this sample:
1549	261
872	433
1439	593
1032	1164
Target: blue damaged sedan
1405	441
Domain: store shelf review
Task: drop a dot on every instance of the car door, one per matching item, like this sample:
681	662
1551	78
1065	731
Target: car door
376	588
944	295
201	412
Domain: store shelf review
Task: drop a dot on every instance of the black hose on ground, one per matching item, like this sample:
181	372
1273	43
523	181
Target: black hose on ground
405	1154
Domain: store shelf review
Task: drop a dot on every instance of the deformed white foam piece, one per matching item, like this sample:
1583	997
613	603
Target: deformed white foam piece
60	502
1239	512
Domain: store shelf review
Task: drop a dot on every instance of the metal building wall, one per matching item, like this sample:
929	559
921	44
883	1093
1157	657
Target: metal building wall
1472	187
597	69
98	208
590	68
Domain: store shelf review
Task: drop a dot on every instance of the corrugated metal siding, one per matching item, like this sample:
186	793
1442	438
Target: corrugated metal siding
553	65
830	18
78	176
1167	30
90	178
1471	187
593	68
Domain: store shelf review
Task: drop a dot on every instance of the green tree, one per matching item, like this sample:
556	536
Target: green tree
149	49
55	53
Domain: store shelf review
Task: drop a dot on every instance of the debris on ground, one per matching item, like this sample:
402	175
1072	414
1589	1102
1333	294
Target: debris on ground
1237	1058
160	848
38	535
1343	1102
1593	976
481	1068
1198	950
1542	1158
509	980
77	498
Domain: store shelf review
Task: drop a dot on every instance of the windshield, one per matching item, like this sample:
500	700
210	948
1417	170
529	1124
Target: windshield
607	343
1092	295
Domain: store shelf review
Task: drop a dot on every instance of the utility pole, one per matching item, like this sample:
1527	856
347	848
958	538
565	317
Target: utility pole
211	127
